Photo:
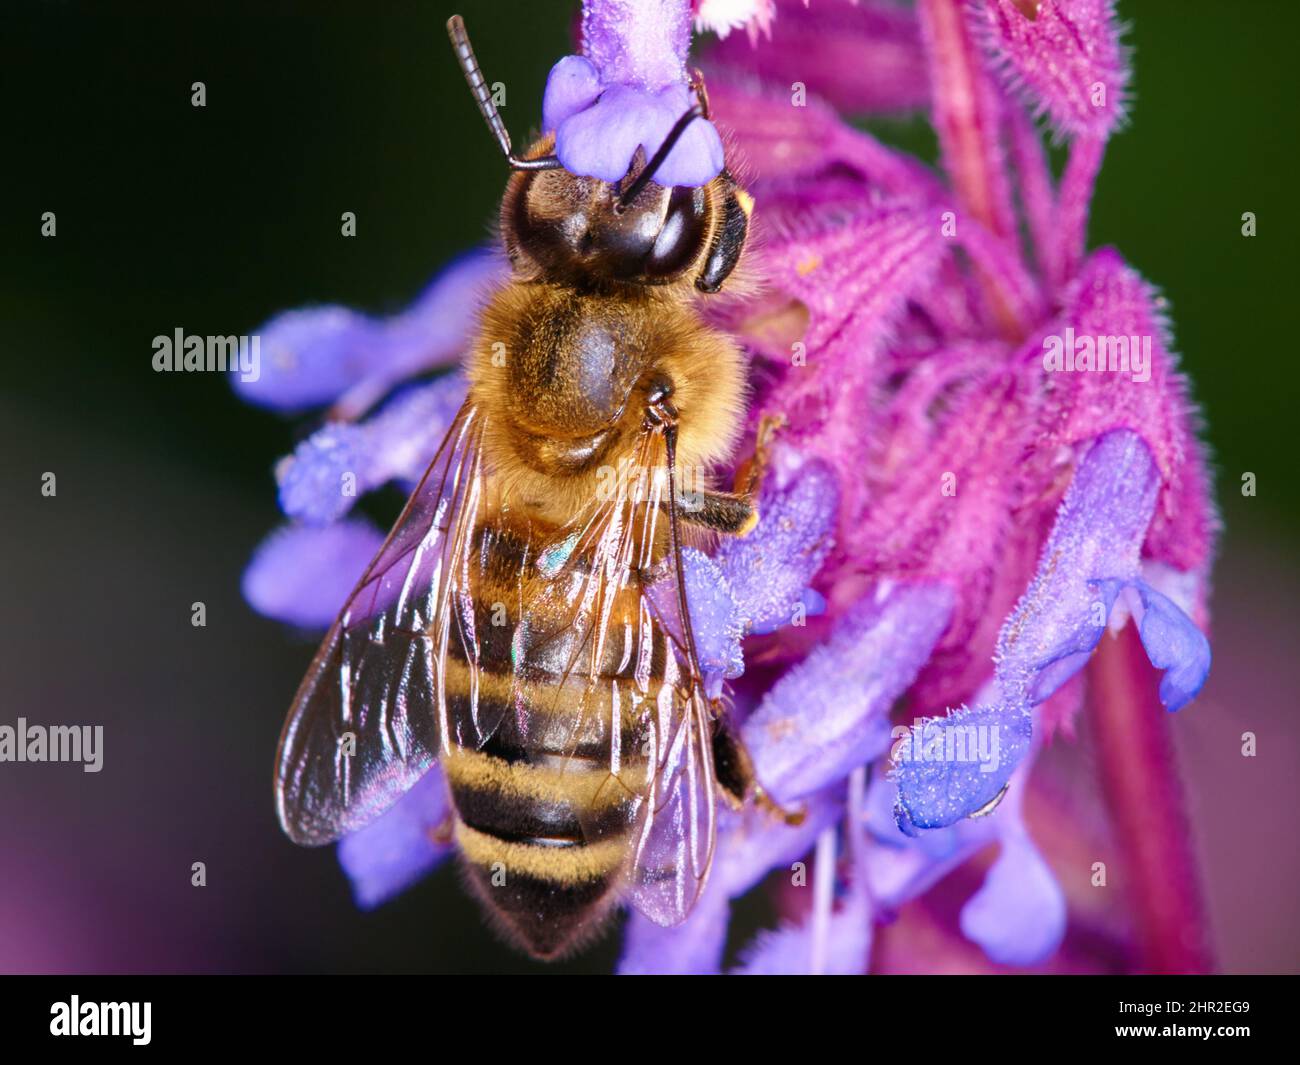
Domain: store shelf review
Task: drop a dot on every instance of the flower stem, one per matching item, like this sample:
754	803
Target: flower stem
1077	185
967	118
961	112
1139	771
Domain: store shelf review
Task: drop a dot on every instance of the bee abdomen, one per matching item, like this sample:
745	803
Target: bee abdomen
544	843
553	802
548	727
546	913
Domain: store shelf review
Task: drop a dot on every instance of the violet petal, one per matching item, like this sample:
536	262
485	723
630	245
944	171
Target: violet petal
698	157
835	936
1092	552
829	714
901	867
1173	643
572	86
1098	535
601	140
768	570
317	355
397	848
302	575
789	951
755	843
954	766
435	329
715	621
692	948
1018	914
637	42
636	53
310	357
338	463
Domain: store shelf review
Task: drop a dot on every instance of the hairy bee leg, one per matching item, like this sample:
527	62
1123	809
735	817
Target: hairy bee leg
733	766
734	771
444	832
750	473
723	512
736	512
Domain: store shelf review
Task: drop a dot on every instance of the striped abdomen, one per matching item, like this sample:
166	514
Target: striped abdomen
547	764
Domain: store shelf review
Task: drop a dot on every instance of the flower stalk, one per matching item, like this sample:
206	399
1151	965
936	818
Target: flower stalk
967	120
962	121
1081	170
1144	796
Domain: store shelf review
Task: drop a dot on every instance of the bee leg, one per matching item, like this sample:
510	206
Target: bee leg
724	512
734	770
701	93
736	512
750	473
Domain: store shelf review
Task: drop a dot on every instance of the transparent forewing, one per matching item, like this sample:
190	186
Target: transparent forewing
675	836
366	722
639	701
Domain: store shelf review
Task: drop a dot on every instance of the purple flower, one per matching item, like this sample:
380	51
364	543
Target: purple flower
987	468
626	91
321	480
859	56
1090	557
1017	916
400	846
332	355
829	714
1064	61
301	575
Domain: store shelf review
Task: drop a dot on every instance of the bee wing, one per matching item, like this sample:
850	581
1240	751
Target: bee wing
661	760
366	723
675	837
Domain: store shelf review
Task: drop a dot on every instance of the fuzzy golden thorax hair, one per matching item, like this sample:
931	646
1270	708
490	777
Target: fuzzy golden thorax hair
561	376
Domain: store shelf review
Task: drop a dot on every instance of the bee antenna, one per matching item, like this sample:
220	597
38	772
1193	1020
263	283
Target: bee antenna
483	97
656	161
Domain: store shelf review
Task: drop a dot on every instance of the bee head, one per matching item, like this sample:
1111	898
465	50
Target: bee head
561	225
558	224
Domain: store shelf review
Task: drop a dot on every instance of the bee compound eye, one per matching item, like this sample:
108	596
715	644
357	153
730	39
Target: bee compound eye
681	237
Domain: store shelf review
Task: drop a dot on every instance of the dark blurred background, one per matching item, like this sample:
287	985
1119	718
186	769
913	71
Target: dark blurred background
212	219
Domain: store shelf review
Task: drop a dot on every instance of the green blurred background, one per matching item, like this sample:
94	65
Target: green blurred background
213	219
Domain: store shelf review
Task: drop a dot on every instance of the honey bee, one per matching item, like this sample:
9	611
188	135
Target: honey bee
504	630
